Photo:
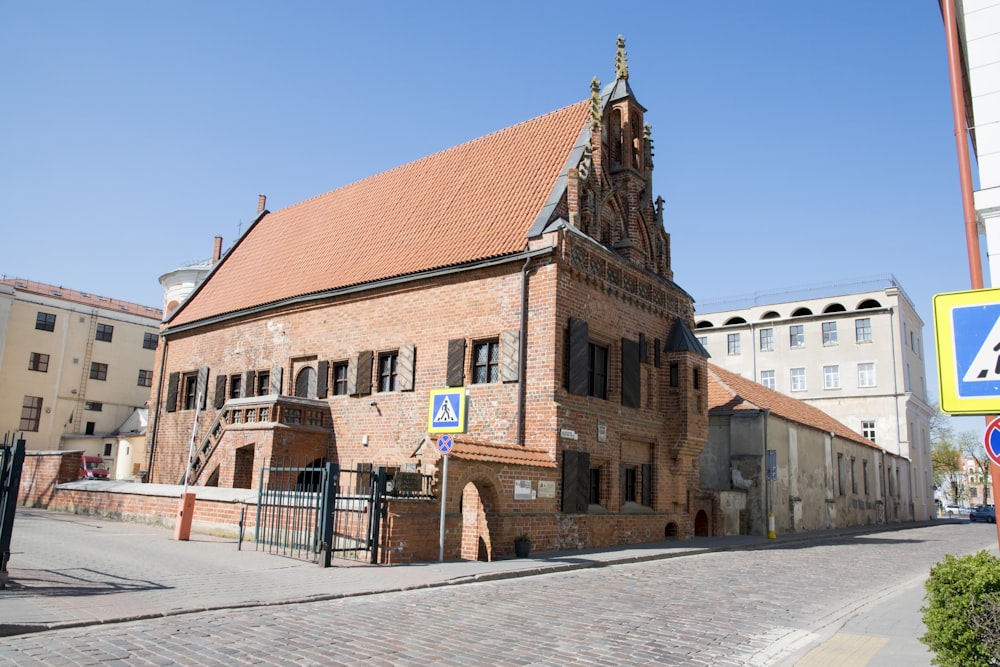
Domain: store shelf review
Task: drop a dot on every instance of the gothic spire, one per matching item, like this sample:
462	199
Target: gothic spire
595	103
621	60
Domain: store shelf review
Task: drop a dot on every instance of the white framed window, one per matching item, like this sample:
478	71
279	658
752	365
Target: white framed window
831	377
767	340
767	379
868	429
863	330
829	333
796	335
866	374
733	343
798	379
703	340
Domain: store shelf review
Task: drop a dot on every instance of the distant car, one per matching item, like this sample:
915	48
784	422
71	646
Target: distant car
94	467
954	510
986	513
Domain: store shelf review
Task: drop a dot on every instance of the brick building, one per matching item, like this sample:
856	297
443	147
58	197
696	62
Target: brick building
529	267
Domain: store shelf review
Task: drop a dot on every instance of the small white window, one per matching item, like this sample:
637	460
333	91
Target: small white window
766	340
863	330
796	335
829	333
831	377
866	374
733	341
767	379
868	429
798	379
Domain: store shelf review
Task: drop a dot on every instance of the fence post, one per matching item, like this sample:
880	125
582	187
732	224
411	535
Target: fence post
377	496
328	506
10	483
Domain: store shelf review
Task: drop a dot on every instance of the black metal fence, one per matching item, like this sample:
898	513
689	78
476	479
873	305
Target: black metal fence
11	462
313	512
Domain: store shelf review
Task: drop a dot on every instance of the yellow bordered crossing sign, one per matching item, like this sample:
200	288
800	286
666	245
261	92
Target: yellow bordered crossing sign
446	410
967	333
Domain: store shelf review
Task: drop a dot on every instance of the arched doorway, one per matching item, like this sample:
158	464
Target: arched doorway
701	524
305	383
476	511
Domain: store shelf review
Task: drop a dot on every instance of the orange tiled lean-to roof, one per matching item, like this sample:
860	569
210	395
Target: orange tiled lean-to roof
496	453
729	392
474	201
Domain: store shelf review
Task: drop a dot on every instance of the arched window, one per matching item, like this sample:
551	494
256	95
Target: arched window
305	383
802	312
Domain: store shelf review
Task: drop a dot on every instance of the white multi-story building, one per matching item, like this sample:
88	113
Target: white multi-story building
74	368
854	351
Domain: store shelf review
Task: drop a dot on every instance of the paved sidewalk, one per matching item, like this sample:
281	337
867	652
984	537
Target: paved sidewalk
70	571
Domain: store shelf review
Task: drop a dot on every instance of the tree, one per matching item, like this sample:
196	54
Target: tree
972	448
946	456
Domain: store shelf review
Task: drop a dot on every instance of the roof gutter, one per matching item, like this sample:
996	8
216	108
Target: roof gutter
353	289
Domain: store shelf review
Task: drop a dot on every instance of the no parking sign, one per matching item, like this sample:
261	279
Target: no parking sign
992	441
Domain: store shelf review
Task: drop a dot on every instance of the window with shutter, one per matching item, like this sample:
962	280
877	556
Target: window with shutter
360	374
172	383
575	481
322	378
456	362
247	388
405	367
203	387
486	361
647	485
631	380
510	356
579	357
276	376
220	392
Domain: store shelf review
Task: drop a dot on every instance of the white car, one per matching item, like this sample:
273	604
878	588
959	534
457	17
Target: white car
954	510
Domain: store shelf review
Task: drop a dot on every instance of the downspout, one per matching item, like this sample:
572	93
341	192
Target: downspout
522	342
156	416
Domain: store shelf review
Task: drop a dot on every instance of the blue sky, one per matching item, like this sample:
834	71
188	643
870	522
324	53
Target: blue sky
796	143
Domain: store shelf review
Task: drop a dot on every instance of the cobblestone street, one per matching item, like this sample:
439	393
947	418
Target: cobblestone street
764	606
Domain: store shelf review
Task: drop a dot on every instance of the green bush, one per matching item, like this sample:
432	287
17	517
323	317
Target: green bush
963	611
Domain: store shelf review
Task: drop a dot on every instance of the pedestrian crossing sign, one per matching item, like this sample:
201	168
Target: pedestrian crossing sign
967	332
446	411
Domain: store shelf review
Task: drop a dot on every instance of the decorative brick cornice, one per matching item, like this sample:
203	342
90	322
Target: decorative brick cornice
614	275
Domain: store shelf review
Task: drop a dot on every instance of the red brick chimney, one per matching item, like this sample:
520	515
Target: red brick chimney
261	203
217	250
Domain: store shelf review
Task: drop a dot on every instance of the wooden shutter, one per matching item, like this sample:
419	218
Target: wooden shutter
172	381
274	384
456	362
643	353
647	485
203	387
579	355
220	392
575	482
623	476
656	353
631	379
322	378
405	364
359	374
510	356
247	382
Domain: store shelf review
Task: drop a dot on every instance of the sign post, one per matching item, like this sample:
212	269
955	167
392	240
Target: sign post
446	412
967	333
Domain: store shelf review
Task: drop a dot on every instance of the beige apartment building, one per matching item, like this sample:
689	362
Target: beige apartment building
855	351
76	370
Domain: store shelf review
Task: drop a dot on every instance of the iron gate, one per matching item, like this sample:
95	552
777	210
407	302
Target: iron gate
314	512
11	462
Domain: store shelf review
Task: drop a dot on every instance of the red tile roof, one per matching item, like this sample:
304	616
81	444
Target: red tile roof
85	298
729	392
474	201
472	450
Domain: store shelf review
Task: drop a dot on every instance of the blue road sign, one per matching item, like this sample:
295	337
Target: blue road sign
992	439
445	443
446	411
967	328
